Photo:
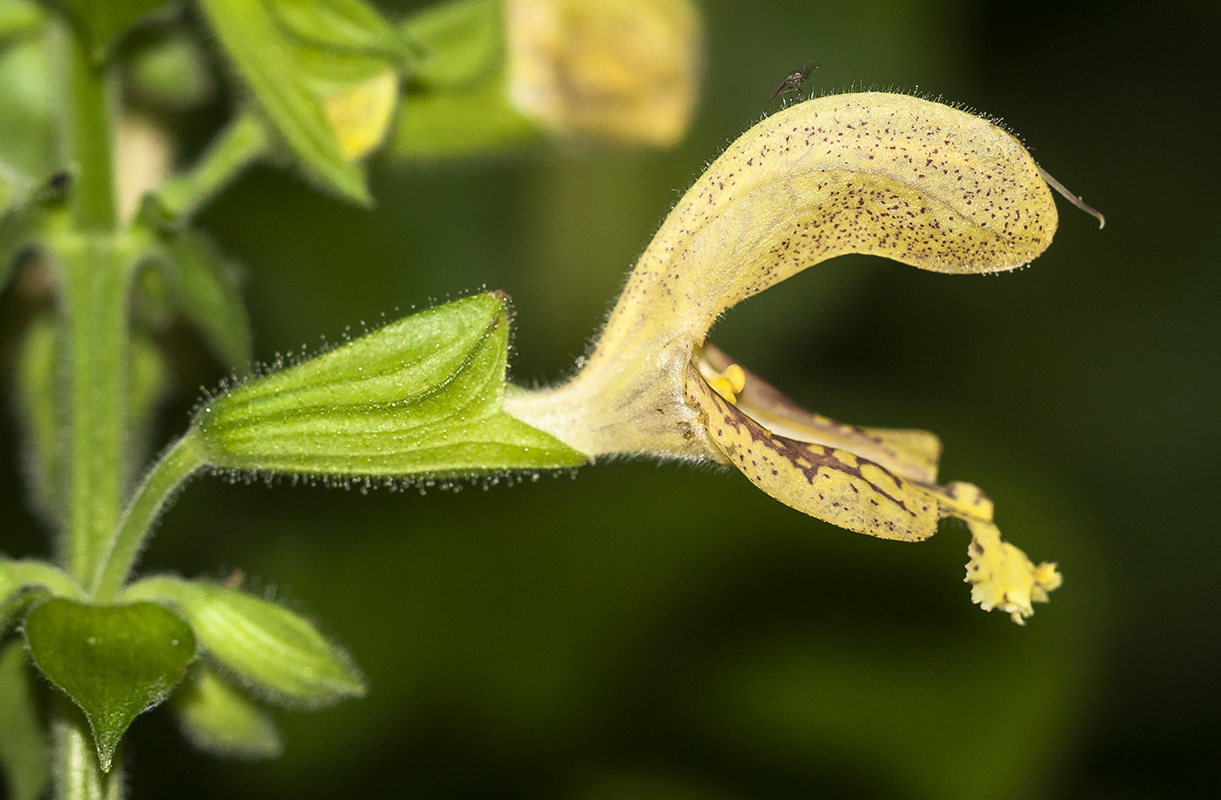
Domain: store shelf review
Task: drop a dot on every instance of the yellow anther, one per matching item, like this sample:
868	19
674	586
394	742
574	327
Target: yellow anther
729	383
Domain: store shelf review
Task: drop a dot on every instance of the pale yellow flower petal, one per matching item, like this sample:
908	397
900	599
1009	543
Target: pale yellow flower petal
360	114
618	69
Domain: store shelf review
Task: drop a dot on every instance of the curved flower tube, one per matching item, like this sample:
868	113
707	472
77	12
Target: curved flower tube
885	174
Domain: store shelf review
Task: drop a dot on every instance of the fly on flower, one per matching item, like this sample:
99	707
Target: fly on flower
793	81
885	174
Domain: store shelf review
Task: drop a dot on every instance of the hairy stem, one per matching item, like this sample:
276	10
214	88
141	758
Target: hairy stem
154	494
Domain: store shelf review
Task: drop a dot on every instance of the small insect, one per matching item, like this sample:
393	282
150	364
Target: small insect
792	82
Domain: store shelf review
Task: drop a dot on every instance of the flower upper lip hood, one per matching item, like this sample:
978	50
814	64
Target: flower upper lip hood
884	174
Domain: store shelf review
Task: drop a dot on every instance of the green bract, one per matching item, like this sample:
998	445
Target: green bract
113	661
420	397
220	720
272	650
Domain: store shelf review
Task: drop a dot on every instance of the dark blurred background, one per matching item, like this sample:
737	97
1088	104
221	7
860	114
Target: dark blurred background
650	631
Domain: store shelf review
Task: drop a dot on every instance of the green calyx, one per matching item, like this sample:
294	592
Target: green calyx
420	397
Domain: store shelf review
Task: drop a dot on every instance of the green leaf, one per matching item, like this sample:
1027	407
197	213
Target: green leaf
346	25
27	124
105	20
220	720
475	121
270	64
36	399
112	661
23	745
206	288
463	42
420	397
272	650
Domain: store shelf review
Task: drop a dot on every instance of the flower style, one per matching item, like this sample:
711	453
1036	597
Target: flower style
885	174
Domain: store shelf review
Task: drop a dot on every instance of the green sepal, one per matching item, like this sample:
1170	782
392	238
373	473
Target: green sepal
171	70
474	121
272	651
19	18
220	720
350	26
269	62
24	754
205	287
421	396
103	21
463	41
113	661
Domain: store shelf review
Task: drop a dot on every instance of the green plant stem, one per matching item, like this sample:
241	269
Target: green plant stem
158	488
77	773
240	144
93	323
93	261
90	110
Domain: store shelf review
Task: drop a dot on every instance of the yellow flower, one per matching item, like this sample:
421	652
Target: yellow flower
620	69
886	174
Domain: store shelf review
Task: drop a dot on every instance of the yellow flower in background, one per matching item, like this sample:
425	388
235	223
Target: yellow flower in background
885	174
620	69
360	114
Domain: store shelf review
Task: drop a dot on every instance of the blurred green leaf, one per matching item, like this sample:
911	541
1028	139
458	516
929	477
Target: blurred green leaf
147	385
220	720
270	649
270	64
105	20
36	393
23	745
113	661
171	70
420	397
206	288
477	120
27	123
17	18
345	25
463	42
